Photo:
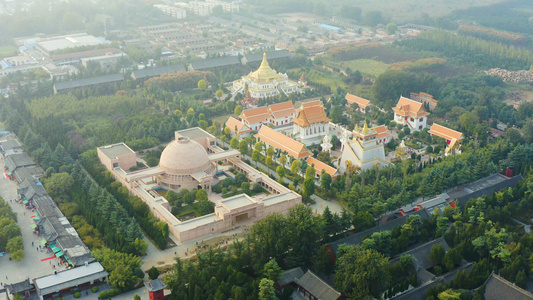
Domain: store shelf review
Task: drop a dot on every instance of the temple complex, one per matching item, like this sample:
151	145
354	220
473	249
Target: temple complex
193	161
363	151
265	82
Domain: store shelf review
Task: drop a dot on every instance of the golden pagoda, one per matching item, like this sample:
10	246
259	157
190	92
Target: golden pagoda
265	82
265	72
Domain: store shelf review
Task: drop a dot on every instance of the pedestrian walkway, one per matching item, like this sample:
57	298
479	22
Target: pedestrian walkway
31	266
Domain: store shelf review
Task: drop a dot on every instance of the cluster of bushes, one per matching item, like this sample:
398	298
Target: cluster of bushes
108	294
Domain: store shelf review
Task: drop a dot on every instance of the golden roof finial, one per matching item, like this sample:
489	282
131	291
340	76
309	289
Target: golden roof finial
365	129
265	72
264	63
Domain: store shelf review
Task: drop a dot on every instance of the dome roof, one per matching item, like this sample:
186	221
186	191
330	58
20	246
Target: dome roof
265	72
184	157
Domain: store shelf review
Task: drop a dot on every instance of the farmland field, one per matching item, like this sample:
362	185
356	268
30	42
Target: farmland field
368	67
7	50
403	11
323	77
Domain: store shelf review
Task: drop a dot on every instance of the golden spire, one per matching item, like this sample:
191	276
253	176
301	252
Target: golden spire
264	63
265	72
365	129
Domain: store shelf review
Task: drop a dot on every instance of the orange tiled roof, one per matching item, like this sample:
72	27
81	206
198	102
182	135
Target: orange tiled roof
255	115
311	113
427	95
319	166
283	113
281	106
445	132
408	107
382	131
282	142
311	103
233	123
362	102
282	110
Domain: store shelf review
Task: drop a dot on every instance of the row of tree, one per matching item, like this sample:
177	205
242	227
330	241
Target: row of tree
470	50
103	223
10	235
134	207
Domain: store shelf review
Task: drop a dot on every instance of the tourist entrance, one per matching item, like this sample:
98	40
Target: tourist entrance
242	217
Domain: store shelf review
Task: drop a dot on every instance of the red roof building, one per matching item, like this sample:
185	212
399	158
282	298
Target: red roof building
411	114
363	105
311	120
279	141
453	138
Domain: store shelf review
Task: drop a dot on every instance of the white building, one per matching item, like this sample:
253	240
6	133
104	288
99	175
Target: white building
363	151
203	9
237	128
174	12
410	113
384	136
281	113
256	117
311	121
265	82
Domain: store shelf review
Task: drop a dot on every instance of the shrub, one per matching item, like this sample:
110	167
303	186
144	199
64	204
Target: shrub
139	272
94	289
103	295
77	295
113	292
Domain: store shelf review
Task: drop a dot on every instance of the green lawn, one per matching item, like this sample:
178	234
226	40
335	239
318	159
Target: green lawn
7	50
162	192
367	67
187	209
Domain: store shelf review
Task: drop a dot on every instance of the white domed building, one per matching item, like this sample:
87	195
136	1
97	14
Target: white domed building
186	165
191	162
265	82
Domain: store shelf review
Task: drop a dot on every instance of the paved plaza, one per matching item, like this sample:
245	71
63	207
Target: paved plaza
12	271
